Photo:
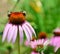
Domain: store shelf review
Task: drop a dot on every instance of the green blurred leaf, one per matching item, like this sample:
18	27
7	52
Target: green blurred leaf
49	50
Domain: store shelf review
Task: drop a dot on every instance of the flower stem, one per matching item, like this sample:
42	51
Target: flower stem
18	43
15	5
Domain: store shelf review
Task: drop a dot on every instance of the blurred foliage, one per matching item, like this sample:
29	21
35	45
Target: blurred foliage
44	15
49	50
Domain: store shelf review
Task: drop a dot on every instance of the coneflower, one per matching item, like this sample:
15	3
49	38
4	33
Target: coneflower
17	24
42	41
55	40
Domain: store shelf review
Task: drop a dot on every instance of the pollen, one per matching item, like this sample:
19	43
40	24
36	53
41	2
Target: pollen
17	18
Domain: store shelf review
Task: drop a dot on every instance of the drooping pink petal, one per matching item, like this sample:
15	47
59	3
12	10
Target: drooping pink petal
6	31
42	40
21	34
26	32
11	33
55	41
51	41
46	42
27	43
33	44
56	48
39	42
30	33
15	34
58	41
31	28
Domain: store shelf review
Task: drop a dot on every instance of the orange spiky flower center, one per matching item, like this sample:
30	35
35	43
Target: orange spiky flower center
17	18
42	35
56	33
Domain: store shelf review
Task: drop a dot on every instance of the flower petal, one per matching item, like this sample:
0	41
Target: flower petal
30	33
56	41
42	40
31	28
27	43
21	34
15	34
11	33
33	44
39	42
52	41
6	31
26	32
46	42
42	52
56	48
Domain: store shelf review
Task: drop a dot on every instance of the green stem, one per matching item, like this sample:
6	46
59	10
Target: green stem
18	42
15	5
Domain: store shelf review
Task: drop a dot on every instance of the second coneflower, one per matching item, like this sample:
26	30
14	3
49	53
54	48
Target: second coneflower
55	40
17	24
42	39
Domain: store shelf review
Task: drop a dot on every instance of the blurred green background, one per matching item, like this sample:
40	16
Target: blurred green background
44	16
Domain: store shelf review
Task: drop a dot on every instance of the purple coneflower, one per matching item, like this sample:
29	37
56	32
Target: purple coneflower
42	39
17	24
55	40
